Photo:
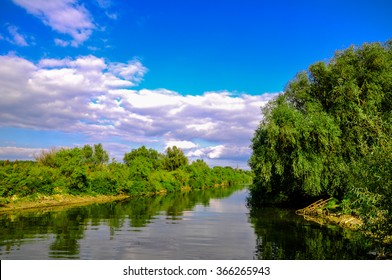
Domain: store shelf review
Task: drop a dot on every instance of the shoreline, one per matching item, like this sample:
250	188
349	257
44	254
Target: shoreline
57	201
60	201
343	221
318	213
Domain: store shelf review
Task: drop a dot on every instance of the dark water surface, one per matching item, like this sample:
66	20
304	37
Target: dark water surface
209	224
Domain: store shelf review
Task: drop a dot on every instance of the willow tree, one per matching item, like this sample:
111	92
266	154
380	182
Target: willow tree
328	120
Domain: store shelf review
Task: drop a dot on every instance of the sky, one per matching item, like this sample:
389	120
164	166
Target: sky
190	73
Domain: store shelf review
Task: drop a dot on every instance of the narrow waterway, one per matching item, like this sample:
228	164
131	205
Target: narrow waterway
209	224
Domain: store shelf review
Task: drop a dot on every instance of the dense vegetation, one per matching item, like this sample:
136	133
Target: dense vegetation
87	170
329	134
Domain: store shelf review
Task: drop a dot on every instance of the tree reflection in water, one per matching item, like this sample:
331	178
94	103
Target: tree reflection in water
282	235
65	228
144	224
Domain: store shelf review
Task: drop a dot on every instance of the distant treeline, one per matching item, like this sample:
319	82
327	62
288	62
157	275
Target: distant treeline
87	170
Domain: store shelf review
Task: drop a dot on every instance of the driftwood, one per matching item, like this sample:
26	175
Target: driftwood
311	209
315	213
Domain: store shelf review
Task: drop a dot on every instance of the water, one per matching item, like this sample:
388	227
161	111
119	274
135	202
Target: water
210	224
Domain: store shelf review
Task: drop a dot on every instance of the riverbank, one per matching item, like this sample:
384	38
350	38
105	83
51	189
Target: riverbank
352	223
58	200
40	201
324	212
321	213
344	221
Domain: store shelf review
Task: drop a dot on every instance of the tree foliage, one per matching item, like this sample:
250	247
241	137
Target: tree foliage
149	156
87	170
327	132
174	159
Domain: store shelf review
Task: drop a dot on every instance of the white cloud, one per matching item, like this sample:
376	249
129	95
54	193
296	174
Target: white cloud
15	37
64	16
204	126
112	16
131	71
18	38
216	152
106	5
182	144
221	152
92	96
84	62
61	43
19	153
150	99
54	93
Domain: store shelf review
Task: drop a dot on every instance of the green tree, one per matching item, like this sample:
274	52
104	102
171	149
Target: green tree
328	119
150	156
88	153
370	193
100	156
174	158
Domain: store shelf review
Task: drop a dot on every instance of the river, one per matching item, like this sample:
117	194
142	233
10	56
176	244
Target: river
208	224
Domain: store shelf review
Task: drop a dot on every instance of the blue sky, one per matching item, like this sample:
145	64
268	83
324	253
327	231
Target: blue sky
158	73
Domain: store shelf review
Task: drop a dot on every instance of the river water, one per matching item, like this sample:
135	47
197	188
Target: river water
208	224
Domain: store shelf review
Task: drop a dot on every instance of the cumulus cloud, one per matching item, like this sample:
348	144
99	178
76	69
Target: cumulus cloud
131	71
182	144
221	151
13	153
93	96
63	16
56	93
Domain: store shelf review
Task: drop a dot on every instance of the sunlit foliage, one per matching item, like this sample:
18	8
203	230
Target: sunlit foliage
87	170
329	134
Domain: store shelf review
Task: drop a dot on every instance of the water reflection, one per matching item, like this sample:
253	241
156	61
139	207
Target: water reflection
140	228
209	224
283	235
